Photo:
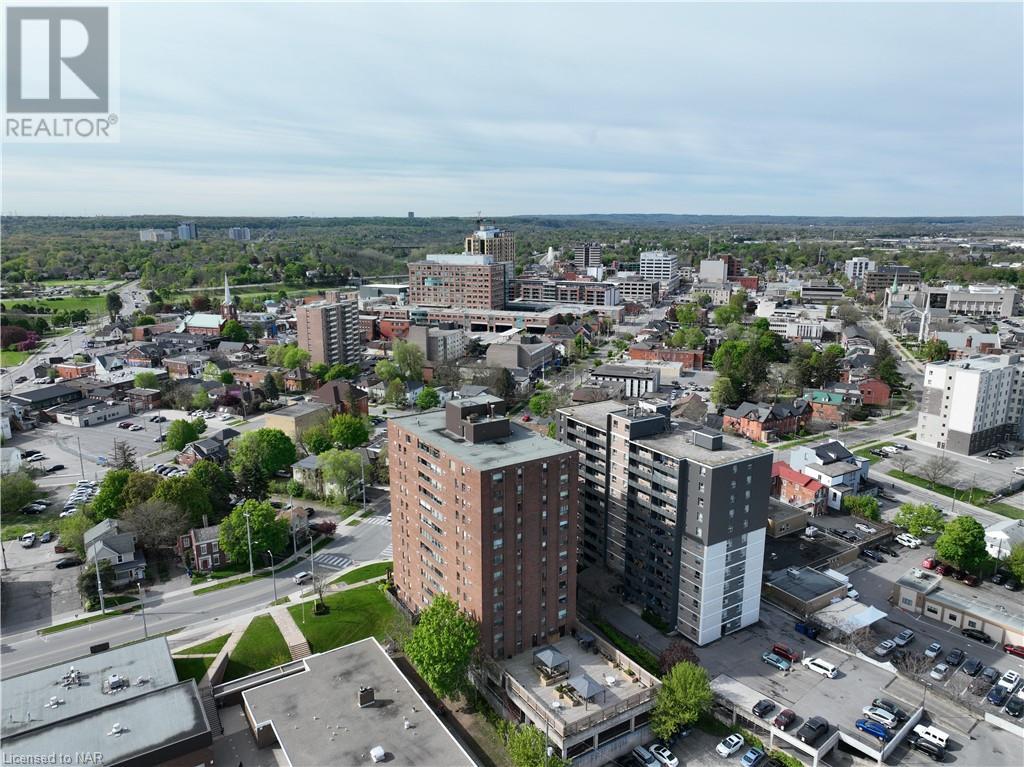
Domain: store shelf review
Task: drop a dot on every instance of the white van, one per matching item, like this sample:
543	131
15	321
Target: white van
821	666
934	734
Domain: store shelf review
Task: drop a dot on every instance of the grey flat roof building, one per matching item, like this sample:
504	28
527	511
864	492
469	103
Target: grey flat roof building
315	716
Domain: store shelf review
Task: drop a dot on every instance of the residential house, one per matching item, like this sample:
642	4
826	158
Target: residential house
109	542
213	448
299	380
1001	537
874	391
343	397
201	547
798	489
832	406
295	419
141	399
830	463
856	367
187	365
144	356
252	375
763	422
113	333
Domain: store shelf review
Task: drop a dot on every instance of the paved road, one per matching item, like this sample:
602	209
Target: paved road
25	651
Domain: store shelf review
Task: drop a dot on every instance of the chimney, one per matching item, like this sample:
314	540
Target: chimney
970	338
206	521
365	696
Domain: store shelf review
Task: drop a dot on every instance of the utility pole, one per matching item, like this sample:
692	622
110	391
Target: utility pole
362	477
248	536
273	573
99	587
3	553
81	462
145	629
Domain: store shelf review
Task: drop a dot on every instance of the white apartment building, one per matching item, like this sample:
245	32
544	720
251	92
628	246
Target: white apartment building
856	267
661	266
805	322
714	270
972	404
155	235
975	300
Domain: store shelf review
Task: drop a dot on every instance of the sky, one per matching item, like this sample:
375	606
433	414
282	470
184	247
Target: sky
332	109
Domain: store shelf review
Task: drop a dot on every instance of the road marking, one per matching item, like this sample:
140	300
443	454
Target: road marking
388	553
332	561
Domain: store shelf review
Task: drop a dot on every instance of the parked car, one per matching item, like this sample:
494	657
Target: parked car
887	550
1015	706
1011	585
906	539
925	746
752	758
774	660
69	511
785	652
884	648
977	635
55	467
821	666
665	757
124	425
865	528
990	674
971	580
938	673
956	657
872	728
1009	680
46	537
943	569
784	718
813	729
972	667
28	540
730	745
933	650
880	715
999	577
763	707
887	705
904	638
1014	649
160	438
929	564
135	427
68	562
997	696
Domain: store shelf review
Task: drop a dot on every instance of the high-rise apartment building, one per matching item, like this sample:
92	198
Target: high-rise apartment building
240	233
586	255
855	268
187	231
491	241
155	235
329	331
484	510
972	404
676	511
460	280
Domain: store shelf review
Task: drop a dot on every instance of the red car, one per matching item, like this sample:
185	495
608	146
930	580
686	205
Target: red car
971	580
929	564
943	569
1014	649
785	652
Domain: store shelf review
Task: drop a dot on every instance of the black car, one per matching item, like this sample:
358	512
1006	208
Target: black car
1000	578
892	708
813	729
1011	585
977	636
955	658
997	696
55	467
872	555
934	750
887	550
68	562
990	674
29	453
1014	707
763	707
972	667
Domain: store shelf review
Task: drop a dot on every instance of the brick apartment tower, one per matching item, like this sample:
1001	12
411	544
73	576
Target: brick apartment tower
485	510
491	241
586	255
462	280
329	331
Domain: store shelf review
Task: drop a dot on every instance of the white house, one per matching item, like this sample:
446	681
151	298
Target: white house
840	471
1001	537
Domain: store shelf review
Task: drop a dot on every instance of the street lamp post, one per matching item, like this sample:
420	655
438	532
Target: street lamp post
248	536
99	587
142	603
273	573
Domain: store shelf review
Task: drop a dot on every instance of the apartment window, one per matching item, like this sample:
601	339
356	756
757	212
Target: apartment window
498	543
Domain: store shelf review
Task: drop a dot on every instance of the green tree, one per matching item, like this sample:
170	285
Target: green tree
267	531
687	338
233	330
17	489
864	506
200	399
395	393
270	391
348	372
381	472
294	357
271	449
963	544
110	500
147	380
122	457
141	486
87	585
684	695
686	315
180	433
723	393
386	370
543	403
227	377
503	384
343	468
527	747
251	480
218	483
726	315
187	495
441	647
157	523
428	398
211	372
317	438
1015	562
114	305
915	518
553	430
702	299
409	359
935	350
349	431
73	530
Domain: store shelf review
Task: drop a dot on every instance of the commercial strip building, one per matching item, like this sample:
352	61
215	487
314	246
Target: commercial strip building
484	510
89	412
464	280
636	380
329	331
968	405
676	512
125	705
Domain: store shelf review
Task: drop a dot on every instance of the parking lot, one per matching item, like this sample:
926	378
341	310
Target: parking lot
34	590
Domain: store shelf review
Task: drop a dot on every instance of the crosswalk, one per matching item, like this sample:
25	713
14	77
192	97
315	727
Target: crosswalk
388	553
375	520
332	561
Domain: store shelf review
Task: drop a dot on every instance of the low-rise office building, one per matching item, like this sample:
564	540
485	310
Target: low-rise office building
636	380
89	412
295	419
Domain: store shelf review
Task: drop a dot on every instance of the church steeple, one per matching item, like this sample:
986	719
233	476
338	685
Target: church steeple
228	310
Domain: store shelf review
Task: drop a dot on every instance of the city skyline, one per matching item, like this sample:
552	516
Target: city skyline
347	110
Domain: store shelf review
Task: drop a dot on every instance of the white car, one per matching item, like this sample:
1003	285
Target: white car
28	540
68	512
908	540
852	593
933	651
135	427
865	528
939	672
1009	680
664	756
730	745
880	715
821	666
302	577
35	458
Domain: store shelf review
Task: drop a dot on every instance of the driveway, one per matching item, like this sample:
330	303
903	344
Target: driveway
34	591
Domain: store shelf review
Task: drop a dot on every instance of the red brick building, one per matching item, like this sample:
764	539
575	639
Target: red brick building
688	359
201	547
343	397
797	489
874	391
762	422
748	282
69	370
485	511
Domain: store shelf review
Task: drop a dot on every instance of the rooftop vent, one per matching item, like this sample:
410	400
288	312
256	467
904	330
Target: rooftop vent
794	572
365	696
116	730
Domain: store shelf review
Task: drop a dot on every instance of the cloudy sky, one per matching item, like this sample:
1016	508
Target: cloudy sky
447	109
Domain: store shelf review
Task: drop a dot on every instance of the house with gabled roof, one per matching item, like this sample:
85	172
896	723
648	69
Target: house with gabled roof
830	463
110	542
764	422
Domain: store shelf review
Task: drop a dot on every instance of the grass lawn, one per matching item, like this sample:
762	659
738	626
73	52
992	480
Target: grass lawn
354	614
229	584
866	454
212	647
376	570
261	647
227	571
97	305
10	359
84	621
975	495
14	525
79	282
194	668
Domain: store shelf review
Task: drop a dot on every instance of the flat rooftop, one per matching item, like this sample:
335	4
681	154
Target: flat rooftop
299	409
804	583
991	603
521	445
317	719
